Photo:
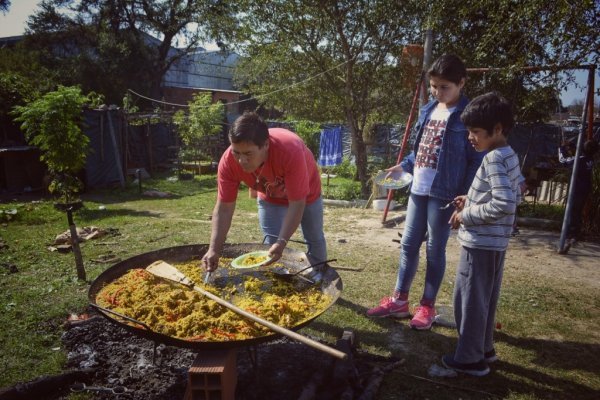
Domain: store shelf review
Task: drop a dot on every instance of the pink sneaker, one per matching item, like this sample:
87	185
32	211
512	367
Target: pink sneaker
388	307
423	318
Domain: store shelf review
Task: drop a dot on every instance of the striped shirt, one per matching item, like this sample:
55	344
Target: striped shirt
491	203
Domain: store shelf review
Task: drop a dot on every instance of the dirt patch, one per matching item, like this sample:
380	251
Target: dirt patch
533	251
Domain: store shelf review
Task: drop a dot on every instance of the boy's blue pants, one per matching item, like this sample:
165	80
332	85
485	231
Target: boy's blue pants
476	292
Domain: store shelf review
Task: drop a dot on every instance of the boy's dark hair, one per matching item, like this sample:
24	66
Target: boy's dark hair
590	147
486	111
249	127
448	67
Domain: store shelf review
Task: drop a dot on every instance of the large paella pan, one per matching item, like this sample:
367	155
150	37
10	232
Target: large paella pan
330	286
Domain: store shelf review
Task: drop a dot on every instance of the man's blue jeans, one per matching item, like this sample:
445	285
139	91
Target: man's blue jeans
423	215
270	217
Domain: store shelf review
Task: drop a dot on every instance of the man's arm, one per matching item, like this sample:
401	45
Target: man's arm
221	222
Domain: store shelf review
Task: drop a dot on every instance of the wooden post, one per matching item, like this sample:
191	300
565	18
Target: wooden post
75	244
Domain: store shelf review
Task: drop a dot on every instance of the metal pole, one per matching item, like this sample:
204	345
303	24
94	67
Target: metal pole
427	55
563	247
404	140
590	104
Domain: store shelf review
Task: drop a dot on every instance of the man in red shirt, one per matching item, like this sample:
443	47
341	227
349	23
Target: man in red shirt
278	165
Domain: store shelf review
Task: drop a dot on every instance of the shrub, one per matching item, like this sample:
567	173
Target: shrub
342	189
346	169
53	124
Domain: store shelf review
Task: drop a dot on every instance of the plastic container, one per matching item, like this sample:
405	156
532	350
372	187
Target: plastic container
379	204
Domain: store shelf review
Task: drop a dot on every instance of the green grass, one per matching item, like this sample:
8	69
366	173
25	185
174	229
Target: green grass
549	341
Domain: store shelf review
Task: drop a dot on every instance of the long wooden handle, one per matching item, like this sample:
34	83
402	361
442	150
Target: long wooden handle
274	327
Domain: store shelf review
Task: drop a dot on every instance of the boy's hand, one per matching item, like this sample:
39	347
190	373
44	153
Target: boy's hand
456	219
459	202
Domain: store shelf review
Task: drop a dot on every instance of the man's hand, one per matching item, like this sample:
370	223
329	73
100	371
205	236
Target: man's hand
210	261
276	251
456	219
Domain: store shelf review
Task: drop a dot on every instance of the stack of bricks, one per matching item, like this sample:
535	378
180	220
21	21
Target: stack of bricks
213	376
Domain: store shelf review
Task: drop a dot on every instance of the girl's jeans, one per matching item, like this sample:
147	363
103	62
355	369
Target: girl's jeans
270	217
423	215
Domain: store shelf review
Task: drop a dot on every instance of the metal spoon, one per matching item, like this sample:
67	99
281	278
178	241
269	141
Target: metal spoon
448	205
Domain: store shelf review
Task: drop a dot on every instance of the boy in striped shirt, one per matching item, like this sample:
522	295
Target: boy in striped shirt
485	218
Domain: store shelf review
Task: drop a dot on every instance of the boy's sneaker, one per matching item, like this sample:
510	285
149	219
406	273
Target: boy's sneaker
490	356
423	318
476	369
388	307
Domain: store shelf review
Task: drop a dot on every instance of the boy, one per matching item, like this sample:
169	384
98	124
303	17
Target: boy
485	216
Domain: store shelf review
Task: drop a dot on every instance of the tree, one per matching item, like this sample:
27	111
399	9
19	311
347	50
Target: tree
512	35
329	61
110	46
22	79
204	118
293	40
53	124
4	6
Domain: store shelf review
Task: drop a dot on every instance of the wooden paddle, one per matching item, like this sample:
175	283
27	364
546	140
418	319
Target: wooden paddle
165	270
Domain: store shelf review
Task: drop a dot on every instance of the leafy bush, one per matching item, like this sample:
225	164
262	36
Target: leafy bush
346	169
53	124
202	119
310	132
341	189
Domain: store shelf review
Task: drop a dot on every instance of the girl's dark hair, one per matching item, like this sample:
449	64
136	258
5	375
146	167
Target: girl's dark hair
486	111
249	127
448	67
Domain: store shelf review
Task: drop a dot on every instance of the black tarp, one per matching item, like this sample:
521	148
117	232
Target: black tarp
103	165
116	147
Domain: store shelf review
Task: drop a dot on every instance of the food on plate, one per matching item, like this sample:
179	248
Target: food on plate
254	259
175	310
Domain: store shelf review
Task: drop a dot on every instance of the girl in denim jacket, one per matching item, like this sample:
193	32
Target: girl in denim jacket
443	164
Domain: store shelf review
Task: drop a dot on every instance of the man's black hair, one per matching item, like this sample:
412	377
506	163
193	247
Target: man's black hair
486	111
249	127
448	67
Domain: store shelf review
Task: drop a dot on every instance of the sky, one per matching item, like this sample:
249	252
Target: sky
14	22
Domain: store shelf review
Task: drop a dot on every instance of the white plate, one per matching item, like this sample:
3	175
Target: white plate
393	180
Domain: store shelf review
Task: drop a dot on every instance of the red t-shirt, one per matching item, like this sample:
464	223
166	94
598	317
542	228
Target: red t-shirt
290	172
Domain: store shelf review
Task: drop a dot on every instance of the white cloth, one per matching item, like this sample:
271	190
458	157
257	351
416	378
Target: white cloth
426	161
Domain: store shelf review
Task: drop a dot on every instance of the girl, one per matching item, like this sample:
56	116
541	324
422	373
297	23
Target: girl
443	164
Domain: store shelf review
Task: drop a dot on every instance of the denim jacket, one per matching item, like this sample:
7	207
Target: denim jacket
458	161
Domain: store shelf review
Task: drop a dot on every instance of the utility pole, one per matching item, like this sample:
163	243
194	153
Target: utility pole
427	53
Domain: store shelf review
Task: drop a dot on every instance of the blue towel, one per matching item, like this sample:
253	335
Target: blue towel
330	148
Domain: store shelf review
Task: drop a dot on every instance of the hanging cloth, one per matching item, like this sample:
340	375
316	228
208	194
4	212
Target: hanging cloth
330	148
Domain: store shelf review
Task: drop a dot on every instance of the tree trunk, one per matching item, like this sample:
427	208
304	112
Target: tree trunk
360	149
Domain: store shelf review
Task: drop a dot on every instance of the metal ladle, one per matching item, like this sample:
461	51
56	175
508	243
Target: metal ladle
284	273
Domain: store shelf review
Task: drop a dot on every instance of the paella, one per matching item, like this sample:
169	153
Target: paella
177	311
